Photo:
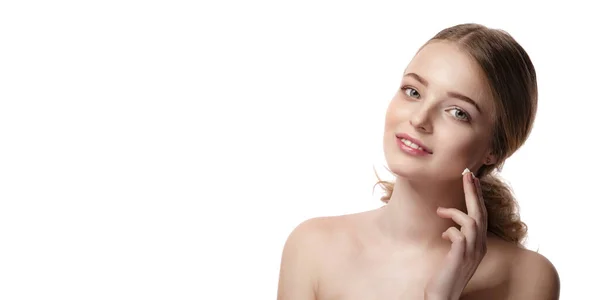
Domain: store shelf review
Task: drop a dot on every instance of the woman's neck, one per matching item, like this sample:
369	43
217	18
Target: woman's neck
410	216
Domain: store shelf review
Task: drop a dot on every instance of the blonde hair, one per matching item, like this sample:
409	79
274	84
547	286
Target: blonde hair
512	79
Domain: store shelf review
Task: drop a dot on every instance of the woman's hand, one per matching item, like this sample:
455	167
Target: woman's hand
468	244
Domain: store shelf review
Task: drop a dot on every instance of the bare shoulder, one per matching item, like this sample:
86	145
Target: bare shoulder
305	252
533	276
317	232
321	233
310	234
509	271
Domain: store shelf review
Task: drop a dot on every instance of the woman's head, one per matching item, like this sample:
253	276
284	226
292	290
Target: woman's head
469	97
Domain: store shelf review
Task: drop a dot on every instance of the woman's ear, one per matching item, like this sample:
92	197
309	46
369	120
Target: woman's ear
490	159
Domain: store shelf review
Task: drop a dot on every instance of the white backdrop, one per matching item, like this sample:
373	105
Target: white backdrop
165	149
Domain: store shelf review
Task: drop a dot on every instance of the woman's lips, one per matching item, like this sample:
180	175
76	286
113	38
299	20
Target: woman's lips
409	147
413	143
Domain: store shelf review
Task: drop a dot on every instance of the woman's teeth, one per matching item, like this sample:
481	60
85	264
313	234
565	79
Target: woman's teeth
411	144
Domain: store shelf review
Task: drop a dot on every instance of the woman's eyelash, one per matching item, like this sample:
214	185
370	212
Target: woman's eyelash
409	89
466	117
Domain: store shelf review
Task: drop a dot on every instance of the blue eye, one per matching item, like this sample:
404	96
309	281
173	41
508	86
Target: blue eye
411	92
460	114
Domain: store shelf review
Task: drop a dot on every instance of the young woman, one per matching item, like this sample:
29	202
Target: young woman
450	229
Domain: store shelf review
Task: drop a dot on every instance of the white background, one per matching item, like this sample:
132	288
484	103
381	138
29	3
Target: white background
165	149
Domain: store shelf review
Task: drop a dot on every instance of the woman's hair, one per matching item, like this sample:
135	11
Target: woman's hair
512	81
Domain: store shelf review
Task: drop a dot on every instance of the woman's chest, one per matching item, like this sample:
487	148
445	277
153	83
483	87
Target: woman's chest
363	277
398	277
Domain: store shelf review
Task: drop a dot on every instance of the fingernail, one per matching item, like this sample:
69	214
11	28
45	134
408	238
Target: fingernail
471	175
465	171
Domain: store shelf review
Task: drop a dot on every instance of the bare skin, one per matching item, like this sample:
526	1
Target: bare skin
399	250
348	257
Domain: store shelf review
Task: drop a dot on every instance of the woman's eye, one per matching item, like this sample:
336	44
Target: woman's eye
411	92
459	114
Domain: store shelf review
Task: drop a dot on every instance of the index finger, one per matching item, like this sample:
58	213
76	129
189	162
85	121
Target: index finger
472	199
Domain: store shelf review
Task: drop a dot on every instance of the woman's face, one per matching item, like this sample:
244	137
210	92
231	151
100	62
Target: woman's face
444	106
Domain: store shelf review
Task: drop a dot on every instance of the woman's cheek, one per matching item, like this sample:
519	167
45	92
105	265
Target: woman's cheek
458	144
397	114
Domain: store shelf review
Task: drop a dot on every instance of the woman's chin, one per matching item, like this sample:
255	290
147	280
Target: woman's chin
407	171
412	173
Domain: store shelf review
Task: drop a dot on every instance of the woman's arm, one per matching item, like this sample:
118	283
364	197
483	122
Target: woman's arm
298	263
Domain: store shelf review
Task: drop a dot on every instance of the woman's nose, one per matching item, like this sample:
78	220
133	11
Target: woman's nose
421	118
